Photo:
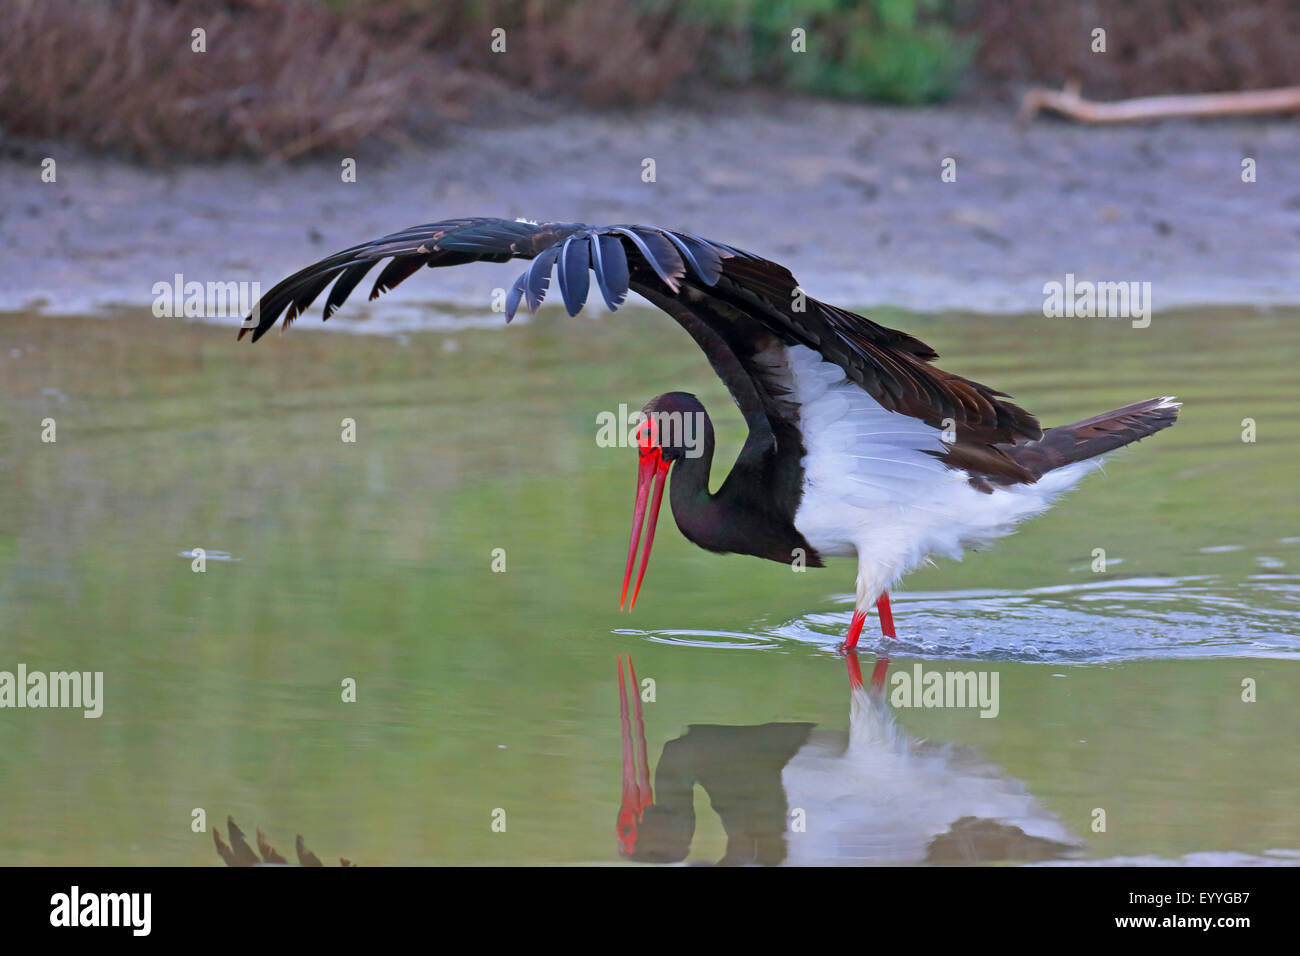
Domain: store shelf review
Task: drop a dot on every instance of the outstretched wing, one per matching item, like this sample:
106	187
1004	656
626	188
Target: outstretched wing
734	303
453	242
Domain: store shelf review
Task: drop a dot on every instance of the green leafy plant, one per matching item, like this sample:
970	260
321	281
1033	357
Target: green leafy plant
895	51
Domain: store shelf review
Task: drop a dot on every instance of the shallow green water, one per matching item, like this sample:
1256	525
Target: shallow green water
479	690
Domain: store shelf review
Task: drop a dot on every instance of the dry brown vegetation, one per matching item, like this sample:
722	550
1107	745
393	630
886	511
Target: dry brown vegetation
278	79
282	78
1153	46
596	51
285	78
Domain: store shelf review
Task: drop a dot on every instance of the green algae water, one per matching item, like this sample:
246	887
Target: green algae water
459	563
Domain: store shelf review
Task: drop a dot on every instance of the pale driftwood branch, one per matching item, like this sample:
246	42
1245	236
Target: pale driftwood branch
1069	102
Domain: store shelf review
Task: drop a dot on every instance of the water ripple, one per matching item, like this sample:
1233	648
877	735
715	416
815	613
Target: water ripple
1101	621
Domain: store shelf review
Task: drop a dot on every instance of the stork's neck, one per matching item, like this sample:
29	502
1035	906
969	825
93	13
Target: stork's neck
741	518
694	508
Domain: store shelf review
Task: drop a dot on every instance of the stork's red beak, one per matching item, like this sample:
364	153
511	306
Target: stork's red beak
653	471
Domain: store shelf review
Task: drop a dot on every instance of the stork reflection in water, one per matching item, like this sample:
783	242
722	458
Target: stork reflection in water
872	796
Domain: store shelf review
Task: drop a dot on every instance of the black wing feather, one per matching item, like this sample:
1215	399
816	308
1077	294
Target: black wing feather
539	277
393	274
349	280
702	258
665	261
575	273
514	295
610	265
744	299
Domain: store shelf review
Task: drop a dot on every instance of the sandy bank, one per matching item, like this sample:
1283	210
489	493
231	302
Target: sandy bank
849	197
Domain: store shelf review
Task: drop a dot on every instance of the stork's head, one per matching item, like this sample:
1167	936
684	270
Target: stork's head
673	426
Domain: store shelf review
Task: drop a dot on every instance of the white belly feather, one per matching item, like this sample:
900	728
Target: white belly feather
870	490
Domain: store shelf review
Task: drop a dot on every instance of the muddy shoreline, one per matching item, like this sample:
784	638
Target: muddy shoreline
849	197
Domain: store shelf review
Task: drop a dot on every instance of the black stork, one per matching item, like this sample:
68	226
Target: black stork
857	444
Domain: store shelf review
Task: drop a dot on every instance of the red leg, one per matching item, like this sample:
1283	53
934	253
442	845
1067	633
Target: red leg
881	670
886	615
887	629
855	630
860	617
